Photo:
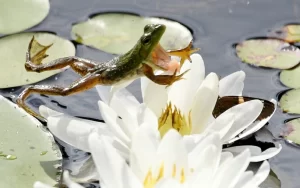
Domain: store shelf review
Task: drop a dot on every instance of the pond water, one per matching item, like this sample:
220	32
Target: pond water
216	26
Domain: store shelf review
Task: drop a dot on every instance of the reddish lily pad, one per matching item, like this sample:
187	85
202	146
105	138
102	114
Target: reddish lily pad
291	77
290	101
292	131
272	53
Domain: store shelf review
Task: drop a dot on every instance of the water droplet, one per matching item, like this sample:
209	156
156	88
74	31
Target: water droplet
43	152
11	157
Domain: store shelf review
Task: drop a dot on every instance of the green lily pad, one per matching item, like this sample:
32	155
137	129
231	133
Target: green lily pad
117	33
290	101
289	33
16	15
28	152
291	77
292	131
272	53
12	57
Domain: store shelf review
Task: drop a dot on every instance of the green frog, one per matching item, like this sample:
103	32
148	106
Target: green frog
143	59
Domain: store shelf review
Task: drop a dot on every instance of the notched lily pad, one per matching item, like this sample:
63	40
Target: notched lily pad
290	101
289	33
22	140
291	131
118	32
291	77
16	15
272	53
13	50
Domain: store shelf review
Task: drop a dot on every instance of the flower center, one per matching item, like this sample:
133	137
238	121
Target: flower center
170	118
151	180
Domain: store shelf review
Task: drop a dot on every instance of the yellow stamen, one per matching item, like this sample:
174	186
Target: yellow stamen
172	117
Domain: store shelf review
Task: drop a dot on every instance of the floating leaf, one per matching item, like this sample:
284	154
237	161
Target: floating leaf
290	101
291	77
16	15
12	55
271	53
289	33
117	33
292	131
22	138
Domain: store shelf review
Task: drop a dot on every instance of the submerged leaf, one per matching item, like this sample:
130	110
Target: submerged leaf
118	32
22	138
291	77
16	15
271	53
13	50
290	101
292	131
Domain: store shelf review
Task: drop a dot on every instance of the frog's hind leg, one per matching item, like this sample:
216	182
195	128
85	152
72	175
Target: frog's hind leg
37	52
87	82
184	53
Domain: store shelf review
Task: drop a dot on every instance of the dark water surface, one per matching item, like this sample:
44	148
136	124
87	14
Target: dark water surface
216	25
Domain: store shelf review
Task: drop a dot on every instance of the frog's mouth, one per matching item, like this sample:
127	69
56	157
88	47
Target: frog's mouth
162	60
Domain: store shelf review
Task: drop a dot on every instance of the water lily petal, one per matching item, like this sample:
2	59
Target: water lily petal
155	96
232	85
69	182
112	168
182	93
230	172
145	115
46	112
41	185
259	176
113	122
143	150
221	124
171	151
211	143
104	93
255	126
244	114
191	141
244	179
256	153
204	103
75	131
225	156
167	183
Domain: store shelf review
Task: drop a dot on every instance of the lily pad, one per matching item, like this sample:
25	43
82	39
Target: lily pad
12	55
290	101
28	152
291	77
292	131
272	53
16	15
289	33
118	32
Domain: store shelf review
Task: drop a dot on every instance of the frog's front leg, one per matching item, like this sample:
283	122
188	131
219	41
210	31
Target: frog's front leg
84	83
161	79
184	53
37	52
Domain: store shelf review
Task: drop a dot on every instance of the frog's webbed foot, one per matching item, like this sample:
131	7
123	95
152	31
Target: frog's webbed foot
162	79
36	53
184	53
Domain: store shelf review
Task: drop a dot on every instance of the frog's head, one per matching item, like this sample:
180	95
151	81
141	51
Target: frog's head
150	39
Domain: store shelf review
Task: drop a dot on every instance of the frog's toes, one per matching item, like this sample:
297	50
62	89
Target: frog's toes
186	53
37	51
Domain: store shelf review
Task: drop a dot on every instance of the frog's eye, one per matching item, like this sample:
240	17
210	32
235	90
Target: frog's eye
147	27
146	39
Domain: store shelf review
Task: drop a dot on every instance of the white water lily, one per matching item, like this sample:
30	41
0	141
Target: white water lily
165	163
194	97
